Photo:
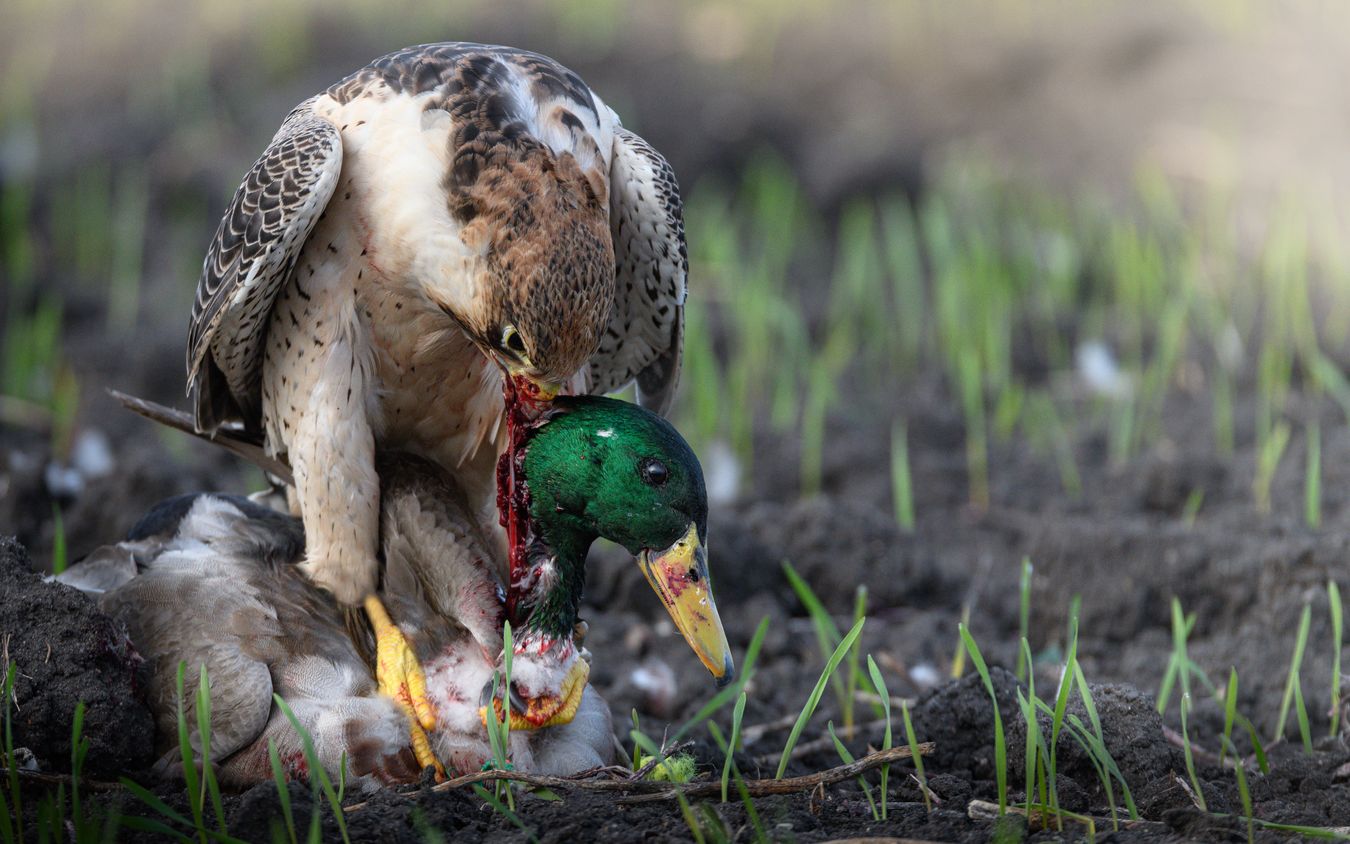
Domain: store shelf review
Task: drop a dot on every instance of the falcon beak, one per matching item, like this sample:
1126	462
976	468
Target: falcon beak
524	378
679	575
532	387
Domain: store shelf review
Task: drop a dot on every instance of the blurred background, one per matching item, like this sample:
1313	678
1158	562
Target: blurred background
927	238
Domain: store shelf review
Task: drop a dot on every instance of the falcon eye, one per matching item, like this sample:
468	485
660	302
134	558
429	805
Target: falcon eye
653	471
512	341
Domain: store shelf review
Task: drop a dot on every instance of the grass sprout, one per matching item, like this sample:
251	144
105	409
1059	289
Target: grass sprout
1334	601
1229	712
1293	686
813	700
11	804
1312	477
283	790
1000	741
901	487
1024	620
736	715
1190	755
848	758
317	773
879	683
498	727
505	811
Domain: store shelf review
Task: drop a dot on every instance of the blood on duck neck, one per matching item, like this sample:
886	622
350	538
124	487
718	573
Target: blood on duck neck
524	412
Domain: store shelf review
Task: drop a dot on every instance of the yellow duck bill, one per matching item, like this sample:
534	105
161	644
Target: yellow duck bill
679	575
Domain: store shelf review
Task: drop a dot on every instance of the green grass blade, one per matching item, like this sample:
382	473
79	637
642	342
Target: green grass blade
1229	712
1098	740
500	808
60	555
1312	478
736	715
189	761
152	826
853	675
915	756
879	683
827	632
1190	755
1244	791
317	772
848	759
1177	662
1032	760
761	837
283	789
1061	706
1295	663
1334	599
1024	619
1000	741
901	488
1301	711
636	750
79	747
687	812
149	798
814	699
728	694
204	730
11	669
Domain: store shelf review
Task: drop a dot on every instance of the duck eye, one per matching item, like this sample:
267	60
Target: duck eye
653	471
512	341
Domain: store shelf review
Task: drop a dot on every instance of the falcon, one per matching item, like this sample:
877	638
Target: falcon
448	222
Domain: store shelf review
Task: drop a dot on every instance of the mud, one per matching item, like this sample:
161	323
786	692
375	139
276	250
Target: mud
65	651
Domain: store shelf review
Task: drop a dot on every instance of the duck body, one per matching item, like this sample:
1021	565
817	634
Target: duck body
213	581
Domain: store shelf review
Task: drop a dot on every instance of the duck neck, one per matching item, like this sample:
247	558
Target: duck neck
554	577
547	559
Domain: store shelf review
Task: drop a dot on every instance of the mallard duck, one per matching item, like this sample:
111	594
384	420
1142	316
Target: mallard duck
213	580
447	215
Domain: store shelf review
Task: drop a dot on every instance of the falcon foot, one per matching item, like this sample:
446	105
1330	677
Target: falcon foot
400	677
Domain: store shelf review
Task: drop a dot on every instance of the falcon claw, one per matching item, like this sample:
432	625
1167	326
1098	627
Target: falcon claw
400	677
421	746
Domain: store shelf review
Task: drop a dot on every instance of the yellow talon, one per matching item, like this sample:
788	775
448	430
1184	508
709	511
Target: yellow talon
421	746
400	677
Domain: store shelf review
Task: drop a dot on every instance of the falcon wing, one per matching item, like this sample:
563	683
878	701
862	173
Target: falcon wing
251	257
645	333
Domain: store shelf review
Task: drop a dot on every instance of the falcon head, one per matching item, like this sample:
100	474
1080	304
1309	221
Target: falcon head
544	291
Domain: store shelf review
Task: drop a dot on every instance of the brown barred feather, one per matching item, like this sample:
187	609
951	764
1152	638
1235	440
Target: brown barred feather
249	260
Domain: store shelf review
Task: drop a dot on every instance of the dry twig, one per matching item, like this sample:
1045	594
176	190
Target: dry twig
41	778
648	790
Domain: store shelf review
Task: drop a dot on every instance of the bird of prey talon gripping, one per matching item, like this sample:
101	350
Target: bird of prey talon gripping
400	677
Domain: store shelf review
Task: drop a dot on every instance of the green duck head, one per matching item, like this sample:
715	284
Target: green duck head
596	467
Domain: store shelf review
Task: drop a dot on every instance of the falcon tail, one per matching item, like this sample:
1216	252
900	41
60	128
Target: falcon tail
236	442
